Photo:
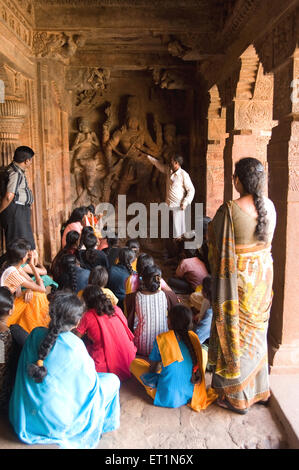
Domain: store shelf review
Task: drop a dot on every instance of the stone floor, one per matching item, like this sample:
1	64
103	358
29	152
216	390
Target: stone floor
144	426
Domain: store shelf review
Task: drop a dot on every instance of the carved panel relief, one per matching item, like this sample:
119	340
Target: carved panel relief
88	83
111	135
13	112
16	21
60	46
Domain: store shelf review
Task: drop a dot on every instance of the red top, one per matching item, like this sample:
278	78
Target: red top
111	346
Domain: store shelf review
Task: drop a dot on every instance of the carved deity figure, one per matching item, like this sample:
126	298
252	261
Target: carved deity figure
88	163
128	146
98	78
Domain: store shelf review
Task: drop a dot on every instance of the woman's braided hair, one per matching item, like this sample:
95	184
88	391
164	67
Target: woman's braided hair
251	174
126	257
90	242
68	265
65	312
180	318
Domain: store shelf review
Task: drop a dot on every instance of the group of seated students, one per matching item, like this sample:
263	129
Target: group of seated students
104	313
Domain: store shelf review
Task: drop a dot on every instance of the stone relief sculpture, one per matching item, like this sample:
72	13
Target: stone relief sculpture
177	49
87	83
125	151
98	78
95	83
103	169
88	163
61	46
170	79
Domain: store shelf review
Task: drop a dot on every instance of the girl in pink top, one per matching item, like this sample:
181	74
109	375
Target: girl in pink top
133	281
76	222
189	274
109	341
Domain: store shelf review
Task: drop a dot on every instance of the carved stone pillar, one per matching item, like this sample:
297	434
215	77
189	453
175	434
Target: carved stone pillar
283	162
12	116
248	96
215	146
239	142
55	162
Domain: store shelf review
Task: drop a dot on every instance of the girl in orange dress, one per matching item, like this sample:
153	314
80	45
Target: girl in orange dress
31	305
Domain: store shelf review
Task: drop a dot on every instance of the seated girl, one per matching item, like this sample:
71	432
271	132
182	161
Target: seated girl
91	256
189	273
119	273
30	307
134	245
58	397
204	313
72	276
133	281
71	248
12	339
47	280
147	310
76	222
113	249
99	277
175	375
110	342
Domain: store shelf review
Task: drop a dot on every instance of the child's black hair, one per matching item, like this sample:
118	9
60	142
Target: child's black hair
6	301
95	298
99	276
151	278
180	318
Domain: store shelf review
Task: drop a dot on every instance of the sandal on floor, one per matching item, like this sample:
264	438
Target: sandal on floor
263	402
227	405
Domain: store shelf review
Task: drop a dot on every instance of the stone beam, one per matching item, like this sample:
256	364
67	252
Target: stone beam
169	18
124	61
15	52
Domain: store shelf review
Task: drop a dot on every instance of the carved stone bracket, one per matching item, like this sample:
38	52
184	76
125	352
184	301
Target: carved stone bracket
87	82
60	46
171	79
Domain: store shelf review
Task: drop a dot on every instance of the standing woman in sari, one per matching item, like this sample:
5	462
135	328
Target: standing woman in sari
240	237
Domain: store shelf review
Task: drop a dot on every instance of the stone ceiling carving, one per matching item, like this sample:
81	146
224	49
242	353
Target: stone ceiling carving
141	34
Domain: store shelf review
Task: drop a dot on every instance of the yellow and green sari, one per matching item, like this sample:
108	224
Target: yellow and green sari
241	302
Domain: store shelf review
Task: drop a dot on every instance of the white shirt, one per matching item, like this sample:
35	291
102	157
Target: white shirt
179	187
